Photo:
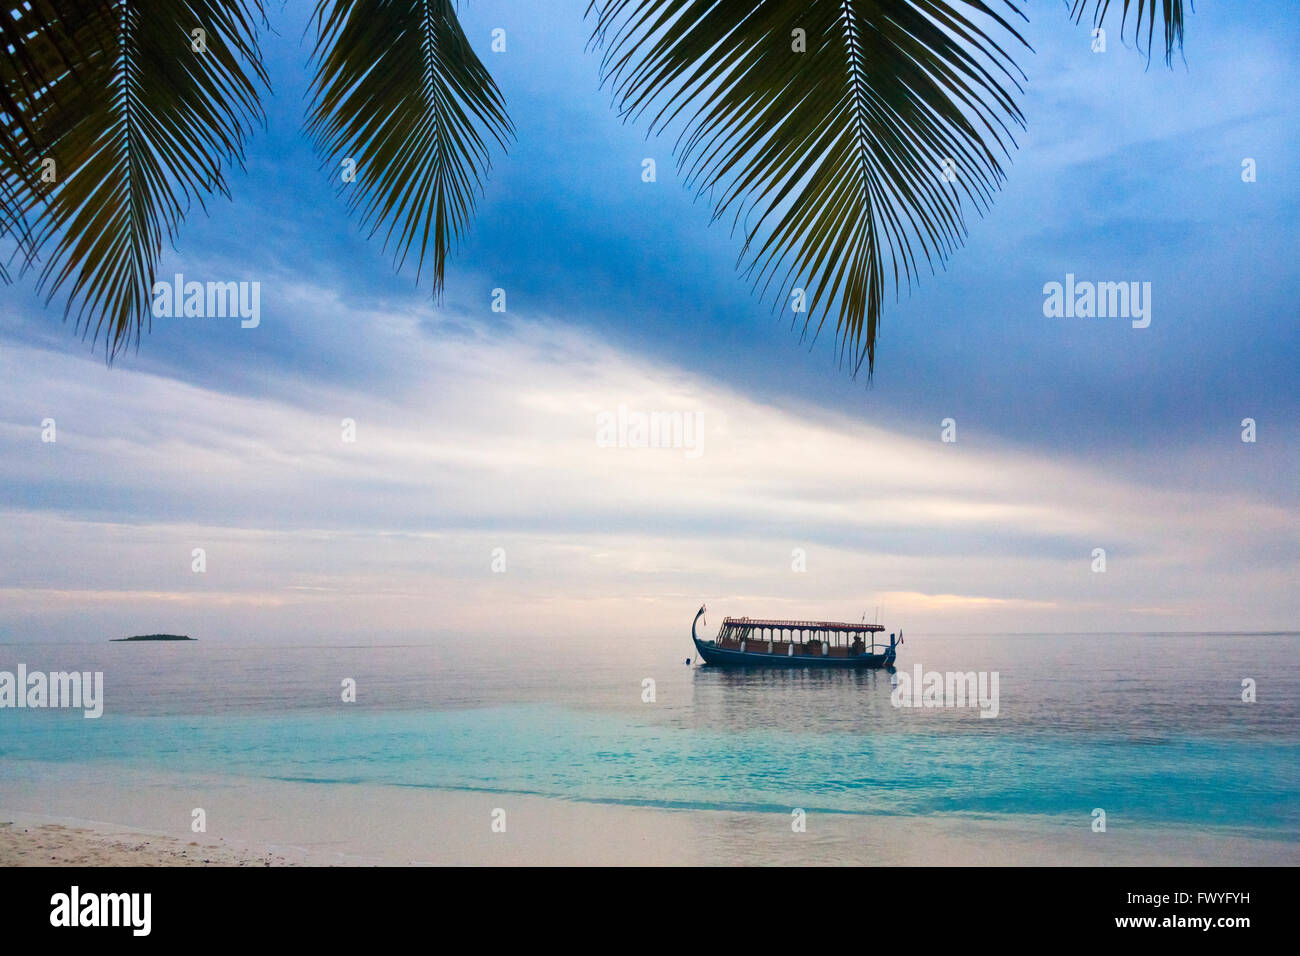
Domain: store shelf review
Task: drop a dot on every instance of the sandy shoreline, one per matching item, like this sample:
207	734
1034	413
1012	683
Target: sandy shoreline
32	841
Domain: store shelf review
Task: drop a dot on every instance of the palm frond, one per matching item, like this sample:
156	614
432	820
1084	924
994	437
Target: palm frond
139	125
399	91
1146	12
830	161
38	47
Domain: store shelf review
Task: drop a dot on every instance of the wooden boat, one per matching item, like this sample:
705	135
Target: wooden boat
750	642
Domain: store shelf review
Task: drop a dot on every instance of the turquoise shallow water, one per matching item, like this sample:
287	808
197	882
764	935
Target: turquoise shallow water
1149	731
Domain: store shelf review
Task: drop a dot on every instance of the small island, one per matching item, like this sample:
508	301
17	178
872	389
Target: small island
154	637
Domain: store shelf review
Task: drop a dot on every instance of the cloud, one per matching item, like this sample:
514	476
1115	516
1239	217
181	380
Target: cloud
477	431
494	445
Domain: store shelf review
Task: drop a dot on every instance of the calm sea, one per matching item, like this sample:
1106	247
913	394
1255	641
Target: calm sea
1150	727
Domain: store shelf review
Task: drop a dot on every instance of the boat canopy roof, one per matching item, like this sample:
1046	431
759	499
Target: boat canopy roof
804	625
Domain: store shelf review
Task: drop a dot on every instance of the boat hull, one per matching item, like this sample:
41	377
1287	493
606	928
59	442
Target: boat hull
712	654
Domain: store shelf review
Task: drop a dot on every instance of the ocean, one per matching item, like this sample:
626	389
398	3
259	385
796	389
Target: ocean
1149	729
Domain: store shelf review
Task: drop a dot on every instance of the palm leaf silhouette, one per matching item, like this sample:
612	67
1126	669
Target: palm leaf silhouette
846	166
399	90
1170	13
824	129
38	46
139	124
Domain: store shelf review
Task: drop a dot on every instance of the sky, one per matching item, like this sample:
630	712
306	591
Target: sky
479	489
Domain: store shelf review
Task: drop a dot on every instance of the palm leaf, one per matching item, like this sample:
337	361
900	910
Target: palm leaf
830	161
399	90
1169	11
38	46
139	125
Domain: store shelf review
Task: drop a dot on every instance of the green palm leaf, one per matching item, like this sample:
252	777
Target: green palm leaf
139	125
38	46
399	90
1169	11
830	161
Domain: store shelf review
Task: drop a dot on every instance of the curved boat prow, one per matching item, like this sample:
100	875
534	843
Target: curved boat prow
695	638
698	614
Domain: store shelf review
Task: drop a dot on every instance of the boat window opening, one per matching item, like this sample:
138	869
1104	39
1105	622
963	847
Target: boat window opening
809	639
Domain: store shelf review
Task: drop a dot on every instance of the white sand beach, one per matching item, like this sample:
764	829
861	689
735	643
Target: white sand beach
27	841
